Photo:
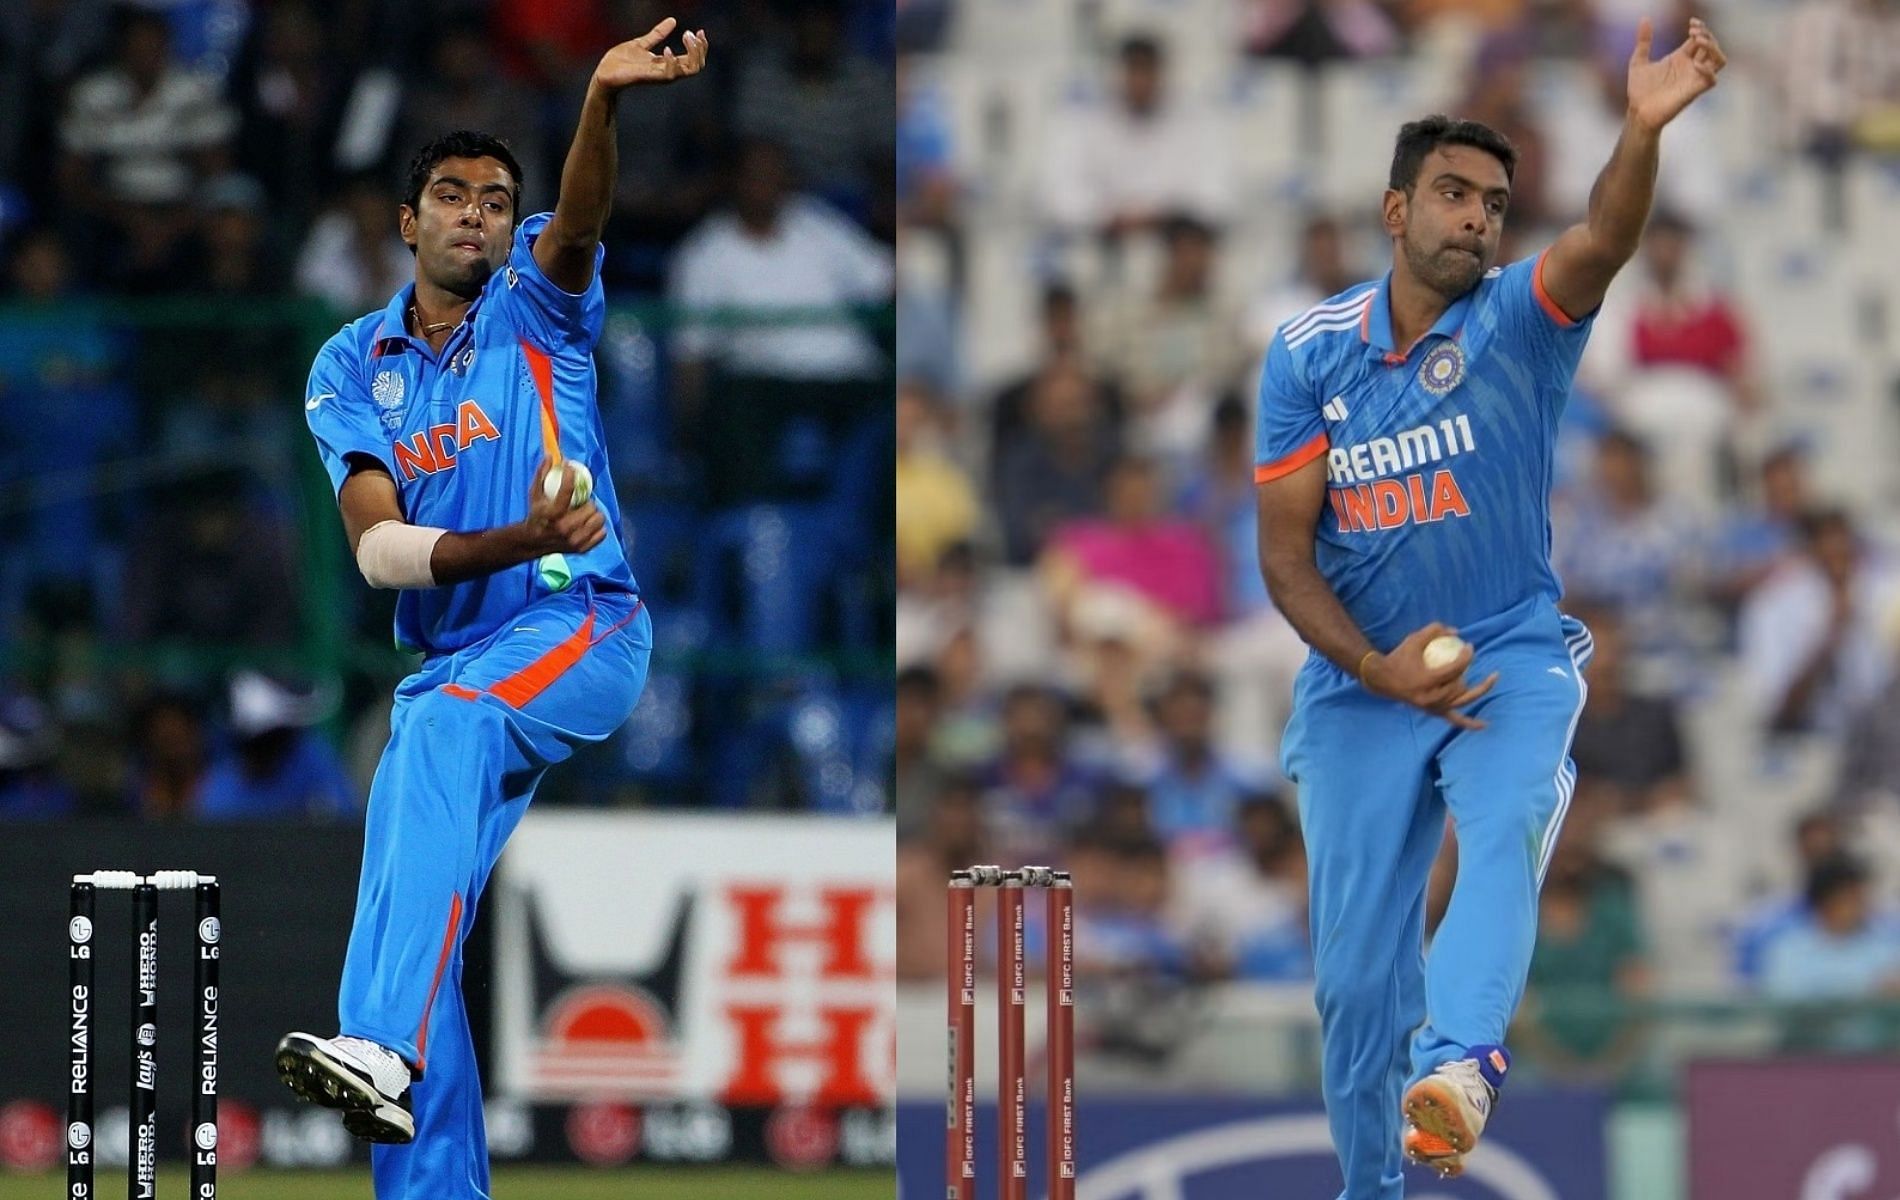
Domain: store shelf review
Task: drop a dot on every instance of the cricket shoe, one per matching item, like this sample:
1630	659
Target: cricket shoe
368	1083
1430	1150
1446	1111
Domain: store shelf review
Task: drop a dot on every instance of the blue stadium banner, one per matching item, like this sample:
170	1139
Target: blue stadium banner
1543	1145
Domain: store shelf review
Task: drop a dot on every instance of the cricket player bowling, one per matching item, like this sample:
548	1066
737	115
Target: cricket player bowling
459	428
1404	460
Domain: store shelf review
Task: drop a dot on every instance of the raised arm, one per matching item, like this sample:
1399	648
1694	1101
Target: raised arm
1580	264
565	249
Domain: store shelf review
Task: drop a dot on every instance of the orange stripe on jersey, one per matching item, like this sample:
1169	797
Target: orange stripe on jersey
535	678
1564	320
460	692
543	371
441	964
1288	463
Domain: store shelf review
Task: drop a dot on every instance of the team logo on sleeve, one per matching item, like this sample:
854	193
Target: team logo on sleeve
386	390
1443	369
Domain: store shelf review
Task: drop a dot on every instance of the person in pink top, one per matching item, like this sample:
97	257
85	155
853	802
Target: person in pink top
1166	560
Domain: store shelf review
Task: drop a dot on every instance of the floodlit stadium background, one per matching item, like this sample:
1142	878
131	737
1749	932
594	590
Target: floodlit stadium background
194	194
1090	673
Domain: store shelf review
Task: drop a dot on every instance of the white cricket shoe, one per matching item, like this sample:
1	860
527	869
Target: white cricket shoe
368	1083
1445	1113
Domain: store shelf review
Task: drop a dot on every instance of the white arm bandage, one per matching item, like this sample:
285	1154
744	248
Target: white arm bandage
395	554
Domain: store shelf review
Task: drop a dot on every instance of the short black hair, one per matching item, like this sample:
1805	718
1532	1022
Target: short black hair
1140	47
1419	138
462	143
1832	876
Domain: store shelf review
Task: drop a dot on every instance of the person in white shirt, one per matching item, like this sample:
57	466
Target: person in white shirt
1119	168
777	249
1814	636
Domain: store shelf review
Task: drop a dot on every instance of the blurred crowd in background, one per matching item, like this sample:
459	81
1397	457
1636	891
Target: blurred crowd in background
195	193
1104	212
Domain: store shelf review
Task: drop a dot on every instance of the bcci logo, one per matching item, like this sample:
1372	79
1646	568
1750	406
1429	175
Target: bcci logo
1443	369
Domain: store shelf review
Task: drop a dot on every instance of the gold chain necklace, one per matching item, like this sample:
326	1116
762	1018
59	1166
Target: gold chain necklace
429	330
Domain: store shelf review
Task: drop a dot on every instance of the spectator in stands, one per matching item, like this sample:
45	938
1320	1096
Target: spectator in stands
1064	349
1318	31
68	408
1322	270
926	180
1691	866
138	136
1837	77
1246	904
1195	793
1818	837
1089	186
1672	353
1055	470
1841	952
30	788
1627	742
1036	789
234	258
1174	350
1591	958
278	768
1756	539
918	773
1619	543
42	47
353	257
1815	636
1500	96
290	91
171	755
1680	319
949	838
1123	926
827	104
1136	546
207	565
1221	499
936	504
776	249
463	89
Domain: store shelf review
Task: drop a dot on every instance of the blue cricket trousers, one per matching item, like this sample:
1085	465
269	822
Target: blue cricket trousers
471	735
1376	779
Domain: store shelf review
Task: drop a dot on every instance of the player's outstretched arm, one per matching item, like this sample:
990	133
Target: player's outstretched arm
395	554
1290	507
565	249
1580	264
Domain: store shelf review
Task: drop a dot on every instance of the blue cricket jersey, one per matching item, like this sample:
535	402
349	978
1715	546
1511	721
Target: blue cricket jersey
1439	459
463	432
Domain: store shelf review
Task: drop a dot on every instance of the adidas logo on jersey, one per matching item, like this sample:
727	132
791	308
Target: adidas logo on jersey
1334	409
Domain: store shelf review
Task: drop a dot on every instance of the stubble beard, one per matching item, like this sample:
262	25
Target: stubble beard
1449	272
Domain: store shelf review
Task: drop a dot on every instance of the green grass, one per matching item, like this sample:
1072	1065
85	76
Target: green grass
513	1183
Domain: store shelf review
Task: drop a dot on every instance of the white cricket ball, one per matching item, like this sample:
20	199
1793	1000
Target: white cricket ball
583	483
1442	651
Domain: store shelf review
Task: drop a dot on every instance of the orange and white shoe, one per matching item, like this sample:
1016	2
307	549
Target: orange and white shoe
1446	1111
1430	1150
